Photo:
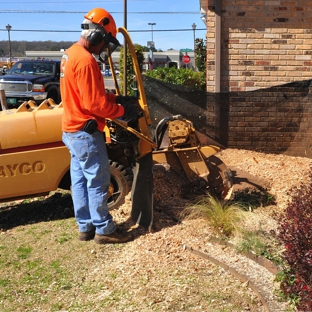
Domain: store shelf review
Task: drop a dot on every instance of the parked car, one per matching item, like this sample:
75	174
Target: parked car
106	72
34	80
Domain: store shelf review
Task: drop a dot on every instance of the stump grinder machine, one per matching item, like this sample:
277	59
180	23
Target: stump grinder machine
34	161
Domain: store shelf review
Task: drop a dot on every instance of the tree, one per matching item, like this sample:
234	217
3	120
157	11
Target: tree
145	49
201	56
130	69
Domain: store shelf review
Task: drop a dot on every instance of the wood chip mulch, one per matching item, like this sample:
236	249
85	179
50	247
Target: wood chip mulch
167	244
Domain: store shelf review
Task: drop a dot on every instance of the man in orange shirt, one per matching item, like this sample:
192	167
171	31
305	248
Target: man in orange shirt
86	105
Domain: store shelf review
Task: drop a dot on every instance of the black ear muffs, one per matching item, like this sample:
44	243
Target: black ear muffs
96	37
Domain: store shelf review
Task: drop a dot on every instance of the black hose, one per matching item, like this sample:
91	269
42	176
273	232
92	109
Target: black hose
160	131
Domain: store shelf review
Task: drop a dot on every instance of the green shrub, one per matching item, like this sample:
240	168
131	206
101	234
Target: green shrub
180	76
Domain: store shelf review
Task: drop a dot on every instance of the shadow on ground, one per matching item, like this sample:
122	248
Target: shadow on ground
171	197
58	206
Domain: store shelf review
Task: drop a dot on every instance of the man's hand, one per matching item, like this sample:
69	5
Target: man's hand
131	106
121	99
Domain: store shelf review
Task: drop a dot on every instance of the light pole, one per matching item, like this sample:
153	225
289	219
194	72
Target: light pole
152	46
9	27
194	28
152	24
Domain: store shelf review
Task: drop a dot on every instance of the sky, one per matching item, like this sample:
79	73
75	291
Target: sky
30	20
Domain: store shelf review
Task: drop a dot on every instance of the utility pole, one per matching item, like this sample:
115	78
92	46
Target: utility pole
194	29
9	27
151	45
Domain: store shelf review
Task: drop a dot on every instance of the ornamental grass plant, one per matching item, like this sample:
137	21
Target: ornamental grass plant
224	217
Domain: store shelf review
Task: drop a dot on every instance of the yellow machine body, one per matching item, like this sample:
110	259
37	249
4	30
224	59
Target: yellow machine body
33	159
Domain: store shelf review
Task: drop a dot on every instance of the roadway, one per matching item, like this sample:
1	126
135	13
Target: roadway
109	82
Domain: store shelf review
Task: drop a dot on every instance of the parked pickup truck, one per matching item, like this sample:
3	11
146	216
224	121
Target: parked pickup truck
35	80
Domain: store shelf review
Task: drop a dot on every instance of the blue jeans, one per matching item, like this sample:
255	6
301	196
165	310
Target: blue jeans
90	178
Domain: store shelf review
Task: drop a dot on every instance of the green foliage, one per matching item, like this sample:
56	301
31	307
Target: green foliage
23	251
201	55
130	68
183	76
64	237
260	244
224	217
285	277
251	241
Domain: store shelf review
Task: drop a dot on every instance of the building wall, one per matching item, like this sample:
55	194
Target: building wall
269	120
274	120
264	43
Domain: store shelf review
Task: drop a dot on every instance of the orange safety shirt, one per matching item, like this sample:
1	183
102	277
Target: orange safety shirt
83	91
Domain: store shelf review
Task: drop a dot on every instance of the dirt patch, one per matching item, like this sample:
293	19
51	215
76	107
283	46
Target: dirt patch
243	179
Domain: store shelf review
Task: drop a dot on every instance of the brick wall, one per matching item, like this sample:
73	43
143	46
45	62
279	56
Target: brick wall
264	43
269	120
274	120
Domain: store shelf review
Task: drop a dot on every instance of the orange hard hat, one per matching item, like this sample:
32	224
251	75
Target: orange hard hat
103	18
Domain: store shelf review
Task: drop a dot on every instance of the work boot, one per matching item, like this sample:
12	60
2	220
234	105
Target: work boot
116	237
86	236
